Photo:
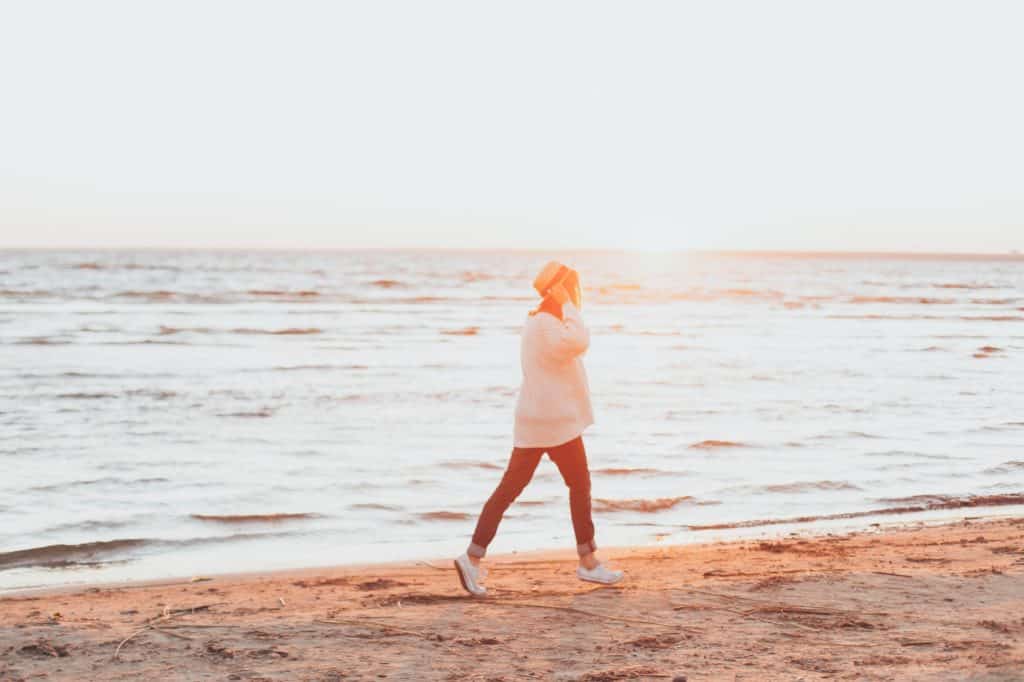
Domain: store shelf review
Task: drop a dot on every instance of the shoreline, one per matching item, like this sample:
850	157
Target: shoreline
938	513
742	531
914	601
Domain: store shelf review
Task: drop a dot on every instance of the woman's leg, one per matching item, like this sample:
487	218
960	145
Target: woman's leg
571	459
518	473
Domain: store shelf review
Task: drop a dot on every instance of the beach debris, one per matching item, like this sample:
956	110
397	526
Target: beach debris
640	672
44	649
372	624
156	621
217	649
199	579
666	641
604	616
476	641
380	584
321	582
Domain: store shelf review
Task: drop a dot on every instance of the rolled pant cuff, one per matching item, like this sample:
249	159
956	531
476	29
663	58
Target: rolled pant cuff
476	550
586	548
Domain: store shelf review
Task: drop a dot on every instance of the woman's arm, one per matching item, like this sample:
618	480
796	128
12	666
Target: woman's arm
569	337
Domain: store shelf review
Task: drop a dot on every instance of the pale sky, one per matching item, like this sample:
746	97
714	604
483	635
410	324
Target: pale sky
714	125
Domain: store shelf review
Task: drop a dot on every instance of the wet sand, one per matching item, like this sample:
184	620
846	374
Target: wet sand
914	603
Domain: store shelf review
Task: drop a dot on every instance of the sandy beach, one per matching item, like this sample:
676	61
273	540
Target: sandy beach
914	602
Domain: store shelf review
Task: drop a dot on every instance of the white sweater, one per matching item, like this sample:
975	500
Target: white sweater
554	400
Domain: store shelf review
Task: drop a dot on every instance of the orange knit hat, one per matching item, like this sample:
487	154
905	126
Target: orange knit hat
551	274
554	274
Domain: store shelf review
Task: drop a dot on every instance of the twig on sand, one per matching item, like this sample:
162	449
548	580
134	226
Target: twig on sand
897	575
189	626
127	639
383	626
750	614
783	607
819	642
569	609
800	610
169	633
572	609
151	624
172	613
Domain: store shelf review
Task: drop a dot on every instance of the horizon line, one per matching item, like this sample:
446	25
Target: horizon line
1011	254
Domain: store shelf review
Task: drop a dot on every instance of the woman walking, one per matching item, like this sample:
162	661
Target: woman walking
551	414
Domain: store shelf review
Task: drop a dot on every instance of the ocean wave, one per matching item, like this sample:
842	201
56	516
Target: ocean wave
985	351
166	296
903	300
713	444
917	499
638	471
300	368
167	331
55	556
263	413
26	293
291	331
107	480
158	295
992	318
415	300
466	464
88	526
155	393
468	331
445	516
929	503
386	283
961	285
1013	466
473	276
255	518
808	486
603	505
910	453
101	552
375	506
41	341
280	293
141	342
92	265
847	434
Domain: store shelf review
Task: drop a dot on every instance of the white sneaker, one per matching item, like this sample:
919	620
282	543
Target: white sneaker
600	574
470	576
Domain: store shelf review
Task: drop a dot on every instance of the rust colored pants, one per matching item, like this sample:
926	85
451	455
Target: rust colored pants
571	460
